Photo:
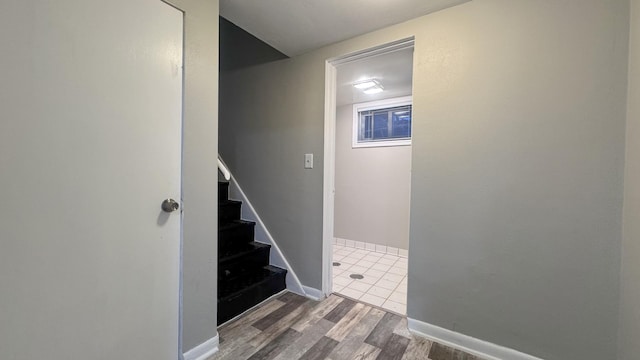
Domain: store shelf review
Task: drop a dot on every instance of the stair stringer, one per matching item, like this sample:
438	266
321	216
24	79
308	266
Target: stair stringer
262	235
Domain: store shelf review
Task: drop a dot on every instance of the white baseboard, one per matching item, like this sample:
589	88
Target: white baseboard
263	235
312	293
371	247
471	345
204	350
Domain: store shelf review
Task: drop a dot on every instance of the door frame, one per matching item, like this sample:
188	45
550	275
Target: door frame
329	175
181	240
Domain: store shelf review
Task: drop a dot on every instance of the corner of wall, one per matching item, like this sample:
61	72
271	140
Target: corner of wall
198	321
204	350
629	312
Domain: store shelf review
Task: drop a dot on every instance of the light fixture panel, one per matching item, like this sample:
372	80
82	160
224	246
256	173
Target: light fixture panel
365	84
373	90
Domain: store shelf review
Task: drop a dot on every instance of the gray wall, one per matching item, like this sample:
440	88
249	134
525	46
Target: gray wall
373	186
517	174
517	167
239	49
270	120
630	283
200	193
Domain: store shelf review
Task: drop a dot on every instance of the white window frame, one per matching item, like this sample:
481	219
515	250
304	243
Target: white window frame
375	105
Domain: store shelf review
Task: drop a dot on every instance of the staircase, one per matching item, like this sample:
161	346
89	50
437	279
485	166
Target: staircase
245	277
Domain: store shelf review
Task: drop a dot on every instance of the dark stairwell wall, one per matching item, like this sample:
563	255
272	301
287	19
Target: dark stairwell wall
239	49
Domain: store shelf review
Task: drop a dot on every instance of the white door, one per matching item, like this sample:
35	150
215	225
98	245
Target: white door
90	145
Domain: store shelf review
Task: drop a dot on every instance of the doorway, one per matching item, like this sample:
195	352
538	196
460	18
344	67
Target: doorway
367	175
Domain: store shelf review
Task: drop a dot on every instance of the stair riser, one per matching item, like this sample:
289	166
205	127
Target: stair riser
223	191
228	212
235	304
235	237
245	277
229	270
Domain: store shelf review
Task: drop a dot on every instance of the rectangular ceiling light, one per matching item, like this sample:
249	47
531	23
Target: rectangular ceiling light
365	84
373	90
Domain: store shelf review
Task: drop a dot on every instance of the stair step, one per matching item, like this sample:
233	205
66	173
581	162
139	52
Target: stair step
223	191
245	277
248	291
235	265
228	211
235	234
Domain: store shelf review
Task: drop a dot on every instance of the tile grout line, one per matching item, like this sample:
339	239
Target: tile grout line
358	255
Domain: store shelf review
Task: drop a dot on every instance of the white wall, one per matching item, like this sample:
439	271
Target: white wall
630	282
373	186
517	167
200	192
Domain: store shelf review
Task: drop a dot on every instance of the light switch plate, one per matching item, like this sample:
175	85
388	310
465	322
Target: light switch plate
308	161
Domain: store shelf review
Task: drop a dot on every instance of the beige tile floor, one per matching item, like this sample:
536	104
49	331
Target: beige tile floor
385	277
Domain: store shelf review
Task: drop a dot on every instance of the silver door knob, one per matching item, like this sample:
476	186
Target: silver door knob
170	205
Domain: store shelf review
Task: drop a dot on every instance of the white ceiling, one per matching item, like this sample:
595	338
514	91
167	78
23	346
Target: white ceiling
393	70
297	26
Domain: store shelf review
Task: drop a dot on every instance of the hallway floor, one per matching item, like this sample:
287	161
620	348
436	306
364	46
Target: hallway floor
383	280
292	327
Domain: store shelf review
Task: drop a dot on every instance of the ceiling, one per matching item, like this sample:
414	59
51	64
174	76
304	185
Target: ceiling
297	26
393	70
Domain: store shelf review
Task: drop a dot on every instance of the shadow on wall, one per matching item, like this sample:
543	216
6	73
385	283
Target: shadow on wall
239	49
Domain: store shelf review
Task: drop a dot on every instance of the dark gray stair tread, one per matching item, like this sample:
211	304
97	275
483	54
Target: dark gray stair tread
251	248
229	202
228	211
250	280
234	224
235	232
244	276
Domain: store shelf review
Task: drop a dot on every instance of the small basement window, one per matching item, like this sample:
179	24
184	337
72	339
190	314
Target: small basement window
382	123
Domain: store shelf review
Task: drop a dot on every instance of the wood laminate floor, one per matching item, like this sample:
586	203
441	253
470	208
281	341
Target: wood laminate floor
292	327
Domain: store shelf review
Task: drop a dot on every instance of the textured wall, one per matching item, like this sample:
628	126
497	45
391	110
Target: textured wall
517	167
517	174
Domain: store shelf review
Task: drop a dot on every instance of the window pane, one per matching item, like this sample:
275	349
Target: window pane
380	125
385	124
401	123
366	129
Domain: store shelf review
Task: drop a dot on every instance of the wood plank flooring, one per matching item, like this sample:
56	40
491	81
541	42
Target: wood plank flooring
291	327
